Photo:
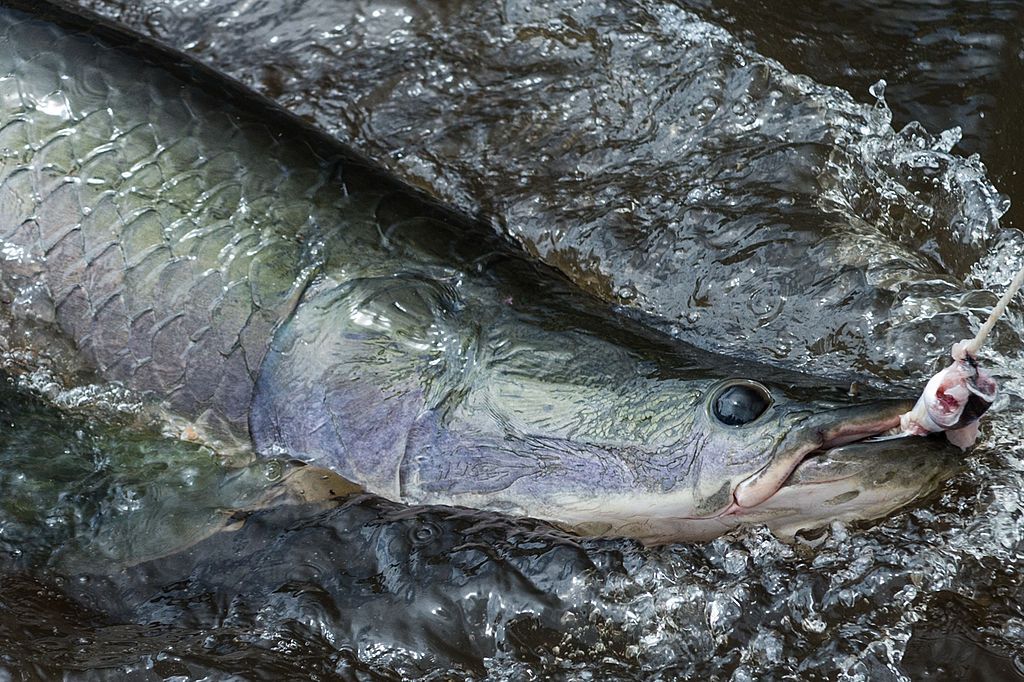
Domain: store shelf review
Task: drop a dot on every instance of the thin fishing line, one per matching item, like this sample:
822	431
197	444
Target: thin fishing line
972	346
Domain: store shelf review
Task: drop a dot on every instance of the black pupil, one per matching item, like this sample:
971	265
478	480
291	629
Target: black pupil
739	405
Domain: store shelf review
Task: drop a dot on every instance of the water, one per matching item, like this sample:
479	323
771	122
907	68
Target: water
668	168
136	556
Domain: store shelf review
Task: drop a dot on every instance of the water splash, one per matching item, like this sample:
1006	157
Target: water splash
639	148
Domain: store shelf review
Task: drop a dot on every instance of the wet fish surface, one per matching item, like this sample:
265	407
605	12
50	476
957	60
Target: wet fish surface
242	276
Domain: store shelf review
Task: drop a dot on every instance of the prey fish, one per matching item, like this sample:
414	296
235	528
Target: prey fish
163	228
954	399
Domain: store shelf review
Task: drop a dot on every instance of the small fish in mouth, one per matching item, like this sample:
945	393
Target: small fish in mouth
954	400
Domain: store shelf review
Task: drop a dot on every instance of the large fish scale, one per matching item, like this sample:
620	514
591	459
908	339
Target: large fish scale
159	243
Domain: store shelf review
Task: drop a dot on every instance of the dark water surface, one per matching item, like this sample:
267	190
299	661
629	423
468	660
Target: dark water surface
136	557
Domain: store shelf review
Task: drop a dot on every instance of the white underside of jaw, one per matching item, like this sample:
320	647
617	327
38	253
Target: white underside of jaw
788	508
661	519
788	511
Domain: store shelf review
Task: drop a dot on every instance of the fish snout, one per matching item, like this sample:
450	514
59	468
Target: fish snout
819	432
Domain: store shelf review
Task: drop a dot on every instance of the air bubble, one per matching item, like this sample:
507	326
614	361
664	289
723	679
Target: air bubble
705	109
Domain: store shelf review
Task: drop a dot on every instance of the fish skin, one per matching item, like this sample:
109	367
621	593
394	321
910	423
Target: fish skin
244	273
171	250
151	214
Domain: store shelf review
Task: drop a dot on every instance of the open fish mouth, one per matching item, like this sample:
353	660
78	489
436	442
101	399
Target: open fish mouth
825	460
832	447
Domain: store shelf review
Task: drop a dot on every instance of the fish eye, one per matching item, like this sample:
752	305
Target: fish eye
741	403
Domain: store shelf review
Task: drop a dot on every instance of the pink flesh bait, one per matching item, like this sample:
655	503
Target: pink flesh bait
953	401
955	398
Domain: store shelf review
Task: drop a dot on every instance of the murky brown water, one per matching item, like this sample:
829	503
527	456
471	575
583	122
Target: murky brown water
495	110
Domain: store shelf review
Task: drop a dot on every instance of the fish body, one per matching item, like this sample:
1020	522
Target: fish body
162	228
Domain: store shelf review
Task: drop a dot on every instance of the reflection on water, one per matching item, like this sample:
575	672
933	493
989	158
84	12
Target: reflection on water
77	494
129	554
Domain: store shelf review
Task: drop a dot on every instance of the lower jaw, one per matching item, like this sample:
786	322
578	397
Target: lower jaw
771	503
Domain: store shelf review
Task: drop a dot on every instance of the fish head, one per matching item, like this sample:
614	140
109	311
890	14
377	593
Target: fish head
783	456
